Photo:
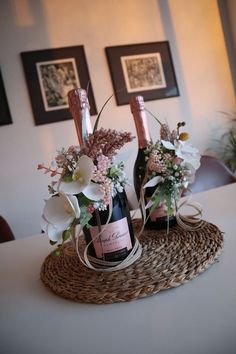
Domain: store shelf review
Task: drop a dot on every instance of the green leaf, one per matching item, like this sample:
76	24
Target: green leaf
83	201
169	204
158	121
99	114
156	199
112	171
67	178
85	216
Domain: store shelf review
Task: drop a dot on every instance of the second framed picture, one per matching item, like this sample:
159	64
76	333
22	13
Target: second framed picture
5	115
50	75
142	69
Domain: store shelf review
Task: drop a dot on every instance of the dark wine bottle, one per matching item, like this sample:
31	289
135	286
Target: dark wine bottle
116	239
158	218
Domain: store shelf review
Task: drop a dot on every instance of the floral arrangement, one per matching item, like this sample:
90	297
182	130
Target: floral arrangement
87	180
171	166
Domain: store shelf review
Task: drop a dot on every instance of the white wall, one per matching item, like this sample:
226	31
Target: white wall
194	31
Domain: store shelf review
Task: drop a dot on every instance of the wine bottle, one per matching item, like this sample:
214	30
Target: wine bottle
116	237
80	111
158	218
138	110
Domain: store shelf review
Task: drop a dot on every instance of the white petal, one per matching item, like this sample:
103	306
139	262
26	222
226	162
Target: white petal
93	192
54	212
86	166
43	224
149	204
191	160
153	182
53	233
168	145
70	188
75	205
190	149
195	162
185	184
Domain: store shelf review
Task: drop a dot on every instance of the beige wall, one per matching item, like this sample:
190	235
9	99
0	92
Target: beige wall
227	10
231	7
194	31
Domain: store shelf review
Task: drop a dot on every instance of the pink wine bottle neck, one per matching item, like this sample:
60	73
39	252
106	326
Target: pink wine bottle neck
80	110
138	110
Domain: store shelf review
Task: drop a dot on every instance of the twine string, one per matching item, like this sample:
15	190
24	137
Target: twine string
99	265
189	222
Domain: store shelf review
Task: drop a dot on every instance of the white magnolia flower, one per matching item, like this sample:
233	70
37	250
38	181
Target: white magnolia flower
82	181
189	154
190	176
58	214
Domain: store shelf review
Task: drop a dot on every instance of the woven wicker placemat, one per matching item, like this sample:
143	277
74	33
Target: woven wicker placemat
166	261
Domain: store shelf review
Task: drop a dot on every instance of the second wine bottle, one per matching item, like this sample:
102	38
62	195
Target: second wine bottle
158	219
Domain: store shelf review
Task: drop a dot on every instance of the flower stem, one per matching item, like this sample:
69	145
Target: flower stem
154	117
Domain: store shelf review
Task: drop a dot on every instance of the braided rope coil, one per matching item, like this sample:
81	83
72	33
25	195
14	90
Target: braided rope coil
167	261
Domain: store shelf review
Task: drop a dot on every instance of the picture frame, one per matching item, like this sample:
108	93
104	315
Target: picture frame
5	114
50	74
144	69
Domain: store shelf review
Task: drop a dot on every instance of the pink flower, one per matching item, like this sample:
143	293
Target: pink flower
60	159
177	161
73	149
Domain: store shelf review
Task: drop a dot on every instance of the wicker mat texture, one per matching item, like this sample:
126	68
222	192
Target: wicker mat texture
167	261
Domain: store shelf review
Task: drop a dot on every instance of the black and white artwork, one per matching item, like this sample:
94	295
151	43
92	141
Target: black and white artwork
57	78
144	69
143	72
50	74
5	114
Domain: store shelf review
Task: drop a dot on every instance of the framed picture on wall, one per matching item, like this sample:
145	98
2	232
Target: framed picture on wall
5	115
142	69
50	74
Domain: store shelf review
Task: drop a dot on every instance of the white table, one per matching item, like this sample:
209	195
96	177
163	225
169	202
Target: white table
196	318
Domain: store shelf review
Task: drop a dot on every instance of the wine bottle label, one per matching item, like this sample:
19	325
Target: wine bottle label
114	237
158	212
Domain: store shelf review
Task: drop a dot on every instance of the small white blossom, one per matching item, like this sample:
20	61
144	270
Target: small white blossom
58	214
81	181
